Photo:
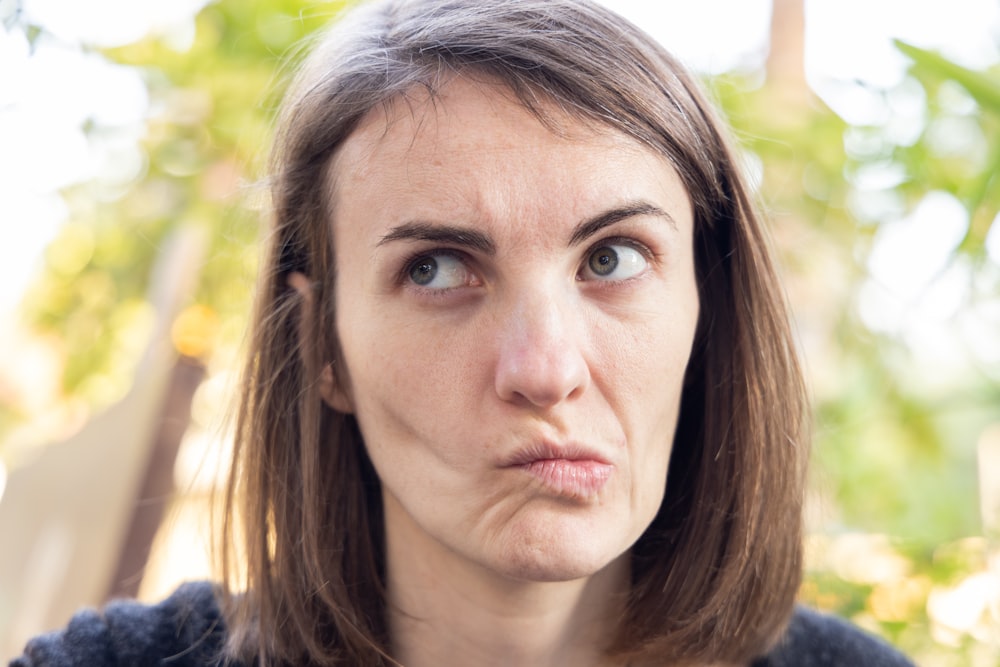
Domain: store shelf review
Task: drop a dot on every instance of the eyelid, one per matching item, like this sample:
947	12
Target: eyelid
629	241
644	250
411	260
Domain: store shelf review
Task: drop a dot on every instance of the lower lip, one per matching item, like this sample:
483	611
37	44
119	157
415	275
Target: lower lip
572	478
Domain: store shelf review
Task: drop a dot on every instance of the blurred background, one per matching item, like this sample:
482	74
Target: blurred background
132	141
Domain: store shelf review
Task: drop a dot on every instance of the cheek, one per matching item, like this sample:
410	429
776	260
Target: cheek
409	363
647	360
648	365
653	438
408	378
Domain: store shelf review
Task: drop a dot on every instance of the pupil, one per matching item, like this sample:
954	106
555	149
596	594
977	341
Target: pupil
423	272
604	261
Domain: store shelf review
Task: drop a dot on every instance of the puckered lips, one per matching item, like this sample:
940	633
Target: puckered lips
566	470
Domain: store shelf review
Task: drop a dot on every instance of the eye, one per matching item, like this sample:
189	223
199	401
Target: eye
613	261
439	271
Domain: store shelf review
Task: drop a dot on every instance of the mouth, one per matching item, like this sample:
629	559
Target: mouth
569	471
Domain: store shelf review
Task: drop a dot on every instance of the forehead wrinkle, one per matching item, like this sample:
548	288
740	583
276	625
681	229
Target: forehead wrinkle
431	145
380	121
428	102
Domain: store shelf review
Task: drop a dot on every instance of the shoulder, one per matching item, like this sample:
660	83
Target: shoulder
185	630
819	640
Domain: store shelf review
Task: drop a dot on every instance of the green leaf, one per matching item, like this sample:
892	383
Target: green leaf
983	88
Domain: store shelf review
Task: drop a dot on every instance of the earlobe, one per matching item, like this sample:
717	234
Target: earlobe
330	390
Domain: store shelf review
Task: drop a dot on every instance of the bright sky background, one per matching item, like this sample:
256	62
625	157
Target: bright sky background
45	97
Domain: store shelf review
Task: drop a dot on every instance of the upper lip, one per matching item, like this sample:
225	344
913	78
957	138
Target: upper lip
546	450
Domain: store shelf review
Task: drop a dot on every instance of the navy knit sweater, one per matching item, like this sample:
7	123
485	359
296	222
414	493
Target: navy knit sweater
187	630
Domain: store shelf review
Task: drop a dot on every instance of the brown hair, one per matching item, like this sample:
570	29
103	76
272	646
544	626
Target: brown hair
715	575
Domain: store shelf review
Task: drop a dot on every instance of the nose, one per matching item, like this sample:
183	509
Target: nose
541	359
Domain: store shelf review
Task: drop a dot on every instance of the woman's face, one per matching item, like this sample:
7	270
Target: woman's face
516	310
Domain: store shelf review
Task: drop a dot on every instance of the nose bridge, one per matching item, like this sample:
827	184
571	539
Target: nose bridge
541	347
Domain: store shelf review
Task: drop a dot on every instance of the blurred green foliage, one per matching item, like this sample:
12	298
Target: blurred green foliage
893	455
212	105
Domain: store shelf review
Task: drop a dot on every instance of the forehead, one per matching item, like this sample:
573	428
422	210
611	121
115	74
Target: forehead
461	117
473	145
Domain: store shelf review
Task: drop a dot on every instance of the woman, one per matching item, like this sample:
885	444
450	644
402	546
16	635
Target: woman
521	388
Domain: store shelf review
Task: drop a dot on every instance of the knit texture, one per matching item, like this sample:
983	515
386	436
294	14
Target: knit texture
188	630
185	630
818	640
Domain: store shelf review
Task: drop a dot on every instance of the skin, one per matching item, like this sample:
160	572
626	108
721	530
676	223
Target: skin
514	344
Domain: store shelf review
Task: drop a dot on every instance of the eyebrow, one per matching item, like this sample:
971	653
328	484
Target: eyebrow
477	240
448	234
591	226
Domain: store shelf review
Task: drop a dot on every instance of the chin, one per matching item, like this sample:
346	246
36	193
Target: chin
548	573
553	555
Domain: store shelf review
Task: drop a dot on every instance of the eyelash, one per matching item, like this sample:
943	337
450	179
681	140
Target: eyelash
411	261
640	247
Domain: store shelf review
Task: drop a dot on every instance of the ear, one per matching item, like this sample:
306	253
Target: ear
330	389
333	393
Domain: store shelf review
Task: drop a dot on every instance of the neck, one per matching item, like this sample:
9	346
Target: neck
443	610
